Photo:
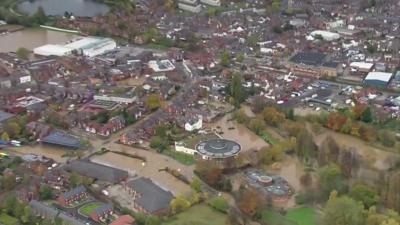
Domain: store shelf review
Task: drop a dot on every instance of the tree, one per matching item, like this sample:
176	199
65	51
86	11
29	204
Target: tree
103	117
367	116
329	151
386	137
153	102
26	215
364	194
158	143
241	116
257	125
220	204
196	185
22	53
10	204
5	136
273	116
45	192
179	204
235	90
225	59
272	154
343	211
239	57
249	202
13	128
390	222
393	193
330	178
74	180
258	103
305	145
306	179
40	16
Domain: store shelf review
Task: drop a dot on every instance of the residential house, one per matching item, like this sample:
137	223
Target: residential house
101	213
124	220
77	194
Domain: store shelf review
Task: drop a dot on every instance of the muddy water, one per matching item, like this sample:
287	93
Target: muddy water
48	151
247	139
149	169
32	38
379	159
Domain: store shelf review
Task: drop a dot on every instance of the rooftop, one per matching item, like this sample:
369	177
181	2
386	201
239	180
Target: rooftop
308	58
5	116
218	148
58	137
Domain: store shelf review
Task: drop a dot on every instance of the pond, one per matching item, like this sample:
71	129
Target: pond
84	8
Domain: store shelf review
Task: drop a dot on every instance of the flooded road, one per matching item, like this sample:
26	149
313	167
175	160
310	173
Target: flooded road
49	151
241	134
150	169
32	38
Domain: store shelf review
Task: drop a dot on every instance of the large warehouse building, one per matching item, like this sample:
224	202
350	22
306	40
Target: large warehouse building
380	79
87	46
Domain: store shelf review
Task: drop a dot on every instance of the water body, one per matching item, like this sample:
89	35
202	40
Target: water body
32	38
84	8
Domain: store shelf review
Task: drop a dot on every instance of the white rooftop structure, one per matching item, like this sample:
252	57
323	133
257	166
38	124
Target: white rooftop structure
379	76
88	46
362	65
326	35
161	66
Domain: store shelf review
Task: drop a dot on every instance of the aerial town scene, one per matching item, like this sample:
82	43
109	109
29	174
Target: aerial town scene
199	112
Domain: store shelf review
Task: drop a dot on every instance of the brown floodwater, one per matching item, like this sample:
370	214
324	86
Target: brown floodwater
49	151
32	38
241	134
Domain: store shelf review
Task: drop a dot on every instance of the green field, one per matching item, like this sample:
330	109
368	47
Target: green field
8	220
303	216
296	216
274	218
88	208
183	158
198	215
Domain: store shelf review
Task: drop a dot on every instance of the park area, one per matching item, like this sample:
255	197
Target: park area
87	209
296	216
198	215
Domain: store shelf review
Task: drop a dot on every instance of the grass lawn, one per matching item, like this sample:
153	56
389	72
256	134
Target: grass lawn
198	215
303	215
8	220
88	208
271	217
183	158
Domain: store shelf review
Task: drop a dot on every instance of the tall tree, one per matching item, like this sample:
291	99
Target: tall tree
236	91
343	211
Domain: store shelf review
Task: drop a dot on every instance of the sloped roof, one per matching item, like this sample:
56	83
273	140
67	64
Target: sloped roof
97	171
73	192
153	197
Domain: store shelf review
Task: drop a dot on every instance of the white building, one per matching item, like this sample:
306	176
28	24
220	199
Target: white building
117	99
87	46
190	5
194	124
326	35
211	2
161	66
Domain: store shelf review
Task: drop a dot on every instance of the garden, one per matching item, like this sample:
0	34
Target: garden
199	215
87	209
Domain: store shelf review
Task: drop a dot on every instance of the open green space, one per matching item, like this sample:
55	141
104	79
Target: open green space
88	208
297	216
303	215
8	220
198	215
271	217
183	158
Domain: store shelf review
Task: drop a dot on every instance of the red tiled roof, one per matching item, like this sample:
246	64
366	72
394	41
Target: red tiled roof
123	220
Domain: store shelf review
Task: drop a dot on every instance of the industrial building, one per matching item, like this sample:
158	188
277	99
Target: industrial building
190	5
87	46
326	35
379	79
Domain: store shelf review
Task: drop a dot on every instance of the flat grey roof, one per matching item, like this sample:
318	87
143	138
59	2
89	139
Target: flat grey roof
218	148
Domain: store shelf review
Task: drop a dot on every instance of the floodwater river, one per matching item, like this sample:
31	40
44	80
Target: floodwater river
32	38
85	8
